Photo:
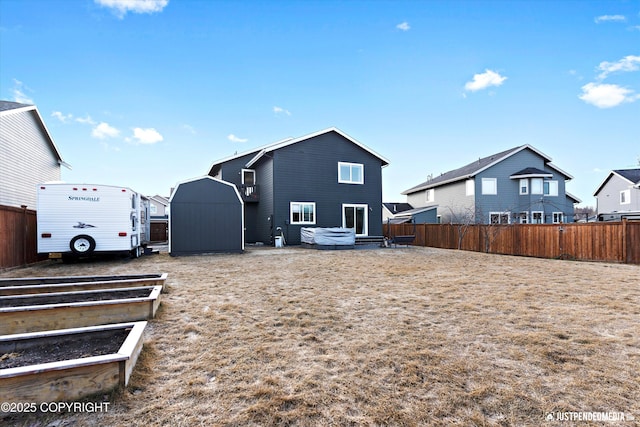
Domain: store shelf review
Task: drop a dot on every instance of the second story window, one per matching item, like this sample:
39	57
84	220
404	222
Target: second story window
489	186
350	173
551	188
625	197
524	186
248	177
430	195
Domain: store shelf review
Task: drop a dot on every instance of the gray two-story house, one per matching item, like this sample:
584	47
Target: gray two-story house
619	192
325	179
519	185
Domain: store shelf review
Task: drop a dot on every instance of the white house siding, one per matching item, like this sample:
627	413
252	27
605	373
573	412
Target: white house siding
26	159
609	196
452	201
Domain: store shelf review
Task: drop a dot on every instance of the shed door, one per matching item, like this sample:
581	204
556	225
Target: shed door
356	216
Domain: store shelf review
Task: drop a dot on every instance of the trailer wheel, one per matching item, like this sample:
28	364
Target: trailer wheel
82	245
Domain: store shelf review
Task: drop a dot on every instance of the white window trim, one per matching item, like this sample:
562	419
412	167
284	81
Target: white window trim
430	195
495	186
533	213
524	215
627	197
523	189
248	170
554	217
351	165
302	204
500	215
549	185
366	216
533	189
470	187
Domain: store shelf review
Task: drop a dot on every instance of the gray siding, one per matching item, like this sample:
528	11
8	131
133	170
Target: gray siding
308	172
453	203
206	217
609	196
264	219
26	159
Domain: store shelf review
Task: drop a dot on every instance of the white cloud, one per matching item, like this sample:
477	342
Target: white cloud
18	93
104	130
280	110
610	18
234	138
147	136
86	120
404	26
626	64
482	81
189	129
121	7
64	119
607	95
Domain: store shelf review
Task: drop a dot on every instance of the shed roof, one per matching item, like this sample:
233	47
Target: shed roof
9	107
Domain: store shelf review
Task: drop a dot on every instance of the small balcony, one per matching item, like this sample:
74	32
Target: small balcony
249	193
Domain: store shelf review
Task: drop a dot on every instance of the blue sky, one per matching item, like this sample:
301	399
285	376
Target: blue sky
147	93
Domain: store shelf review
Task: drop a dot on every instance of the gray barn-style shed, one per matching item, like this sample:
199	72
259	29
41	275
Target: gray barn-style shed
205	216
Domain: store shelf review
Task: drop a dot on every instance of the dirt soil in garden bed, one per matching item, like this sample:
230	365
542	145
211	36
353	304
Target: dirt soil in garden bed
69	347
66	299
404	336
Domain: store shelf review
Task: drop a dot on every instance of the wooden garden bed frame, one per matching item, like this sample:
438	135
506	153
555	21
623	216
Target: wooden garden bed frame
35	285
43	317
68	380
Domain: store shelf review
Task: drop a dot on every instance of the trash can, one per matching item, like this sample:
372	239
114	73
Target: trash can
278	241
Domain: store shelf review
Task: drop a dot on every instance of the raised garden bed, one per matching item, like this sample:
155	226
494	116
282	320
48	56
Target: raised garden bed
58	310
68	364
34	285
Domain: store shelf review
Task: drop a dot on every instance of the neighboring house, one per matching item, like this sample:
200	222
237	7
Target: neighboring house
619	192
389	210
28	155
159	206
519	185
159	209
325	179
398	213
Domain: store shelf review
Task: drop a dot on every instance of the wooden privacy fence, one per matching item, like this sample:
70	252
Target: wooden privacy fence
599	241
17	237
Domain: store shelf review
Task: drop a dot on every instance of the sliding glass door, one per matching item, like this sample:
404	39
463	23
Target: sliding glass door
356	216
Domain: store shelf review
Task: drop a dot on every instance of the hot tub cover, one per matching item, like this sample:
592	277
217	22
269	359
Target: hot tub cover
328	236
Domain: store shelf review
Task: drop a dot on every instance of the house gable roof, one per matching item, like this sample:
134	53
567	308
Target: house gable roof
474	168
8	107
630	175
261	151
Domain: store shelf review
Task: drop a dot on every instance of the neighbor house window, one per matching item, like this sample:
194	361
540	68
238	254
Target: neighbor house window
500	218
489	186
536	185
350	173
248	177
523	217
551	188
303	213
430	195
153	209
470	186
524	186
625	197
558	217
537	217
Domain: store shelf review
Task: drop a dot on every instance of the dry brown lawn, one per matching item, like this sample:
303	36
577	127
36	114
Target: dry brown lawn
406	336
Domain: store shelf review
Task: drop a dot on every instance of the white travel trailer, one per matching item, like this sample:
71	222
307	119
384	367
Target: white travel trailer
76	220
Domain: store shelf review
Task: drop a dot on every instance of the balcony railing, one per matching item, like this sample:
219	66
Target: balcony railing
249	193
